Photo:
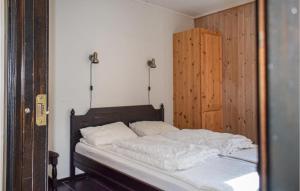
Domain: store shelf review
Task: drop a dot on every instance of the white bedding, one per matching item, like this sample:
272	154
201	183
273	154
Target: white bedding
250	155
107	134
216	174
226	143
164	153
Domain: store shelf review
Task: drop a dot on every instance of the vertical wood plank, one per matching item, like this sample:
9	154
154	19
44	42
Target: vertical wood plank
28	97
211	82
176	41
196	107
241	129
238	29
40	134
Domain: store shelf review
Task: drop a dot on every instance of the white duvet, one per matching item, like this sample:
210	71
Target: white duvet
215	174
164	153
226	143
222	174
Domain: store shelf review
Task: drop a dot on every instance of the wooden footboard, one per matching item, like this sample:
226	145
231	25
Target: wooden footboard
109	175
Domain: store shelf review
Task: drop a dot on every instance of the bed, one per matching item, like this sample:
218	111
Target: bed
101	116
220	173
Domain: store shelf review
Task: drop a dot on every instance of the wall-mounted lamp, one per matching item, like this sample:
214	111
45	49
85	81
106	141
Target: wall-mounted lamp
151	64
94	60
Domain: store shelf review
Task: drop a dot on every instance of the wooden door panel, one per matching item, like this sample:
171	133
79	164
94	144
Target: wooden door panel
196	97
211	72
40	134
27	147
197	76
213	120
186	79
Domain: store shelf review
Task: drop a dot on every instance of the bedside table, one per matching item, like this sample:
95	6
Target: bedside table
53	160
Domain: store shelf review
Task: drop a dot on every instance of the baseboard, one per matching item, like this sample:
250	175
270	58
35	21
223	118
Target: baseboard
79	176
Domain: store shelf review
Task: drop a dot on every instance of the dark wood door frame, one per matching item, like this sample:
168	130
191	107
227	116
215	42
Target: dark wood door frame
278	58
27	76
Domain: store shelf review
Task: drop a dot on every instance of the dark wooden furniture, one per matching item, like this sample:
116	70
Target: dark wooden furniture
83	183
53	160
101	116
27	77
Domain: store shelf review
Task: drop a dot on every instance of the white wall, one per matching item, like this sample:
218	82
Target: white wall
126	33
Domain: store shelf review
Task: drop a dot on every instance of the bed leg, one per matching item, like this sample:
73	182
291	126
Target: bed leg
72	170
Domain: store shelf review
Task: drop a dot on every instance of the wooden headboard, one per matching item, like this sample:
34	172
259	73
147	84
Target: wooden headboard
101	116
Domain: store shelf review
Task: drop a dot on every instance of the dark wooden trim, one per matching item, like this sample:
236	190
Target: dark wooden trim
78	176
14	51
109	175
40	70
53	161
27	76
100	116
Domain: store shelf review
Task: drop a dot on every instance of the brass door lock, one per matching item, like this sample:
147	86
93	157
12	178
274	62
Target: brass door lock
41	110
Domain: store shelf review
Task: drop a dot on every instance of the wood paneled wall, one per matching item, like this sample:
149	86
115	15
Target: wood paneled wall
238	29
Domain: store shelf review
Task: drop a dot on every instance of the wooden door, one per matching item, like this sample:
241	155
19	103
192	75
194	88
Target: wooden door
27	78
186	79
211	81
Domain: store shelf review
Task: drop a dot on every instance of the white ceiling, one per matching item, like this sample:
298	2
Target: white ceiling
196	8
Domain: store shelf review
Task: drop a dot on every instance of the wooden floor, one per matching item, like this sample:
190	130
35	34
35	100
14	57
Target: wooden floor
84	183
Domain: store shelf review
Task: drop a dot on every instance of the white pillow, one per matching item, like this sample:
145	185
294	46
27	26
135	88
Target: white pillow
145	128
107	134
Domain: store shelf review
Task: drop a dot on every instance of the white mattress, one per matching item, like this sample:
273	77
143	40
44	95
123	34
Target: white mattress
217	174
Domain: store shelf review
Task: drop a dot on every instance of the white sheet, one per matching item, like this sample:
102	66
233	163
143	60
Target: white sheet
250	155
226	143
164	153
217	174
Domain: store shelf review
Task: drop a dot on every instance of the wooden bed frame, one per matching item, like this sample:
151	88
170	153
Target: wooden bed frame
101	116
